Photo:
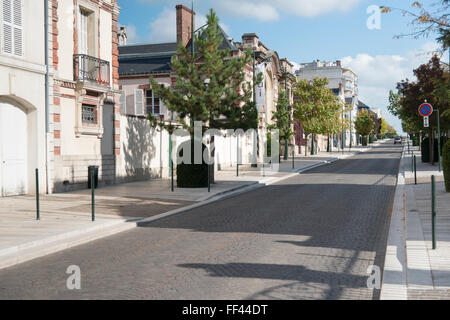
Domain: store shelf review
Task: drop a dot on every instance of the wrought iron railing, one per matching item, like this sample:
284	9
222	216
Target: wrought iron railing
87	68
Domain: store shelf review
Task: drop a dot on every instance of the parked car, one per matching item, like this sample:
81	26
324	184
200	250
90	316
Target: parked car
398	140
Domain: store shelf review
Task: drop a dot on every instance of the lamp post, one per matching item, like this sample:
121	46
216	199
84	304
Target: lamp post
211	141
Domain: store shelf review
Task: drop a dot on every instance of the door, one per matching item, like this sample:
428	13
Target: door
13	150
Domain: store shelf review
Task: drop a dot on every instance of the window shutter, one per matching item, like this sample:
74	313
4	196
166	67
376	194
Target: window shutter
138	102
123	102
13	27
7	27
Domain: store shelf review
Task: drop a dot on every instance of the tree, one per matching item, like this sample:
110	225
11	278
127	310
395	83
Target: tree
217	104
432	84
383	127
281	119
425	20
364	124
317	108
210	86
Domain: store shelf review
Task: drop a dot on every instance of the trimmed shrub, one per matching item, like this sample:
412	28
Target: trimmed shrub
371	139
415	140
191	175
364	141
426	150
446	164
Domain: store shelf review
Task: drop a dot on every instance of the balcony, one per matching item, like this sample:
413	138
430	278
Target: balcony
90	69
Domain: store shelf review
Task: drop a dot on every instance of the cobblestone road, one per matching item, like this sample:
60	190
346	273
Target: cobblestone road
309	237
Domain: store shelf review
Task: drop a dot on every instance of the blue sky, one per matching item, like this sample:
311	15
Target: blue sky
302	31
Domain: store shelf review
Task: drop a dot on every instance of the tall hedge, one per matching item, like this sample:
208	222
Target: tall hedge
446	164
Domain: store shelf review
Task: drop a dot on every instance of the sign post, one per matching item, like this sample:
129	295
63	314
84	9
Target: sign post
425	110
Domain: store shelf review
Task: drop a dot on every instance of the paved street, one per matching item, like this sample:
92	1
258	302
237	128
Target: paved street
312	236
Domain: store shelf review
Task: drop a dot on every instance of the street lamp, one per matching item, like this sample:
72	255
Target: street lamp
207	82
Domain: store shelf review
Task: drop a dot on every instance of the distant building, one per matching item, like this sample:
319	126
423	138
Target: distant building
344	84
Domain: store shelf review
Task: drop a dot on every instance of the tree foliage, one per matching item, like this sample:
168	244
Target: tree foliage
223	103
427	19
364	124
317	108
432	85
281	118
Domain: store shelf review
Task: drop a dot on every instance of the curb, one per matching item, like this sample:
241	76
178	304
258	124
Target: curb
394	283
39	248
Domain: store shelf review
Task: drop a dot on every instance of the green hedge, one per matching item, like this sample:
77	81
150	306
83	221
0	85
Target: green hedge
446	164
426	149
364	140
371	139
191	175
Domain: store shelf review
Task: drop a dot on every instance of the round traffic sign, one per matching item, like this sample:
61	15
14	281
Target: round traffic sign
425	109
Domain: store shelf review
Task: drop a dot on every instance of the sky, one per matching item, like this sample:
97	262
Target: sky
303	31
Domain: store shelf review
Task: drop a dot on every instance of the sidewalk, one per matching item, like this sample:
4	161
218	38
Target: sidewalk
66	217
413	270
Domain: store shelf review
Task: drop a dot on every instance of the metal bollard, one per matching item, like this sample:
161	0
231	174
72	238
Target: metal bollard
38	213
415	170
293	159
93	193
433	210
209	178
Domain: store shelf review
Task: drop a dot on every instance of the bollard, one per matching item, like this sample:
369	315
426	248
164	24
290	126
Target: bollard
209	178
264	169
433	210
38	213
293	159
93	192
415	170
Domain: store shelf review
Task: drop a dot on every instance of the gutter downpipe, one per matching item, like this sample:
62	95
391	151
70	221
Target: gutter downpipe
47	98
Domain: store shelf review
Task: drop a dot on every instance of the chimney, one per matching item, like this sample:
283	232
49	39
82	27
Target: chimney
250	40
184	31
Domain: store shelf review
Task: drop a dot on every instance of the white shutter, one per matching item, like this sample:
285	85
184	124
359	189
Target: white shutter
7	24
138	102
82	32
13	27
123	102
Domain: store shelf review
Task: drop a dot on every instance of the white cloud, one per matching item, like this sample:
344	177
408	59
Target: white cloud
312	8
379	74
268	10
164	29
296	65
247	9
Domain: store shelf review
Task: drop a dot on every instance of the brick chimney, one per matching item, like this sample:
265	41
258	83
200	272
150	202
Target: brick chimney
250	40
184	31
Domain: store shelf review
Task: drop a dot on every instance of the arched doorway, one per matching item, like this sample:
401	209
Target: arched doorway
13	150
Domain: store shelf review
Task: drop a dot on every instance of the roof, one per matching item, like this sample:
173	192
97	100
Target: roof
146	59
148	48
227	42
362	105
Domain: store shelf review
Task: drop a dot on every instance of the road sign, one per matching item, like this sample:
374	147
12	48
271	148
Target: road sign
426	122
425	109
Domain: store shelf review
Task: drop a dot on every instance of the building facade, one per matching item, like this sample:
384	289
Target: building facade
344	84
84	118
23	141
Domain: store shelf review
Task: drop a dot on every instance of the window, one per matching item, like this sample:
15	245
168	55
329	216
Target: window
89	114
138	102
152	103
12	27
83	32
